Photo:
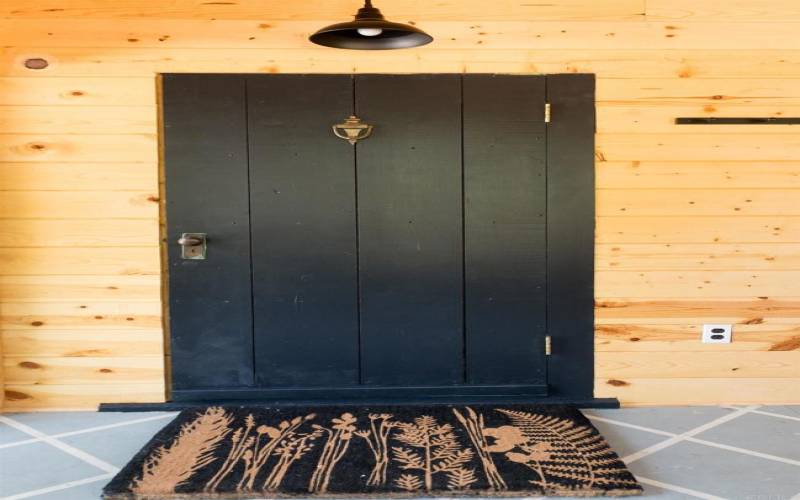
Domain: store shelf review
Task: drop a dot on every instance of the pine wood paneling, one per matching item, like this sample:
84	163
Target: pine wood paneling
689	391
693	311
100	232
678	339
699	174
77	205
68	288
698	364
696	224
77	120
103	91
54	176
703	256
78	148
259	10
86	315
693	146
80	261
623	283
746	89
78	396
694	202
699	229
81	343
660	119
84	370
720	10
158	33
633	63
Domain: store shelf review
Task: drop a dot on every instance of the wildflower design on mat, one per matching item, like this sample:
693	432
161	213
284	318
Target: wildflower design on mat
246	452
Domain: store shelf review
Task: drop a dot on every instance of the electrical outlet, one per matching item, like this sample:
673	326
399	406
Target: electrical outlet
717	334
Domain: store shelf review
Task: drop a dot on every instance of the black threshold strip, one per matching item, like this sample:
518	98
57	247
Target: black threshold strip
605	403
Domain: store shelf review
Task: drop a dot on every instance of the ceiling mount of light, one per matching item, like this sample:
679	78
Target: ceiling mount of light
370	31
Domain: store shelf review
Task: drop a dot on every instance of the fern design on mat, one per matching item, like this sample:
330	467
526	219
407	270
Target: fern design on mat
437	452
253	446
169	466
339	436
377	437
559	452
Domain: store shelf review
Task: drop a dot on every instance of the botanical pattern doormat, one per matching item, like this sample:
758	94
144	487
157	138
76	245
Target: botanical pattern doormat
401	451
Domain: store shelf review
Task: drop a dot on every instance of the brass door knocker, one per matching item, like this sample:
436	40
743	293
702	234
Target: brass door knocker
352	130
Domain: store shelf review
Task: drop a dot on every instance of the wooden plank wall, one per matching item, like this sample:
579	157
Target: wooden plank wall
695	224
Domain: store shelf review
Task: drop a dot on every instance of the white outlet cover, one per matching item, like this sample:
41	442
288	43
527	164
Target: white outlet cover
717	334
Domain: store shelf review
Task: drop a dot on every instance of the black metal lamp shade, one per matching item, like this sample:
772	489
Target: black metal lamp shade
370	31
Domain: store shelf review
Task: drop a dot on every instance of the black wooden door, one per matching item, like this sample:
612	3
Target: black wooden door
414	264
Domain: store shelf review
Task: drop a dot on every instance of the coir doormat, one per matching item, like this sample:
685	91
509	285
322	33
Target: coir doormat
401	451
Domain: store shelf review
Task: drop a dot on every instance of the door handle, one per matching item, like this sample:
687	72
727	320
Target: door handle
189	241
193	246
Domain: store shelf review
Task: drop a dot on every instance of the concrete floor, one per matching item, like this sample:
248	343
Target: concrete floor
749	453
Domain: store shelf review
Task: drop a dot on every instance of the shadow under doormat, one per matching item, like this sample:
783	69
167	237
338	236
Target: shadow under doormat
376	452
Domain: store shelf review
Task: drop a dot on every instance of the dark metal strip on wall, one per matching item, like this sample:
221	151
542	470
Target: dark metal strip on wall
737	121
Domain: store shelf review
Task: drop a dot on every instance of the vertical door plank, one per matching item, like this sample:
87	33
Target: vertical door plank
570	233
410	230
206	192
302	181
505	174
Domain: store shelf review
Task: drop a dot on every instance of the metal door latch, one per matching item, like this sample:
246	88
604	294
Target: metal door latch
193	246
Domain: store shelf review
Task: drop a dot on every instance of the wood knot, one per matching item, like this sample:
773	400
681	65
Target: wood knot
791	344
37	323
635	339
76	93
36	63
98	317
753	321
153	198
16	395
30	365
106	370
617	383
128	319
37	146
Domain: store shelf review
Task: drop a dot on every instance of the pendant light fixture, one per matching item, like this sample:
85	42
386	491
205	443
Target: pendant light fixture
370	31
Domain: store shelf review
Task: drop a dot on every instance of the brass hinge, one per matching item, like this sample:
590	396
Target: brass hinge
548	345
547	112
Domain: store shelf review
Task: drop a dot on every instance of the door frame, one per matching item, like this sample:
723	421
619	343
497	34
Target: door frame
570	256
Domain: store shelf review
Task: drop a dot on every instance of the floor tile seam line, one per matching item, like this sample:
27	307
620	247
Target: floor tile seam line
58	487
690	433
677	489
115	425
19	443
55	443
631	426
744	451
85	430
777	415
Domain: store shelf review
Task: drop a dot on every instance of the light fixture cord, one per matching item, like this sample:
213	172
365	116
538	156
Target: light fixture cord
367	4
